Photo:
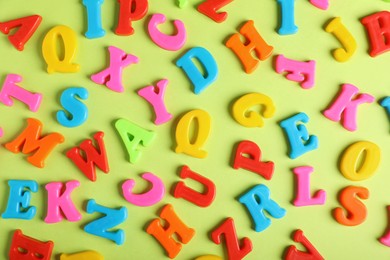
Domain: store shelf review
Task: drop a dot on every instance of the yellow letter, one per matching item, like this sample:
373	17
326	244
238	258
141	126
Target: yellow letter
184	145
251	118
86	255
208	257
368	165
49	50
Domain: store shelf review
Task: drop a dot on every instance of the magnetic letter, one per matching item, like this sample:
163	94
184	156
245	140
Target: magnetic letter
100	227
202	199
248	118
254	43
93	156
10	89
27	248
130	10
385	239
155	96
30	141
257	200
164	235
303	196
112	76
133	136
58	202
77	110
208	63
248	156
378	29
236	249
346	39
94	18
210	8
18	205
311	252
321	4
298	71
85	255
26	28
184	145
368	163
167	42
345	106
149	198
300	140
356	211
287	24
49	50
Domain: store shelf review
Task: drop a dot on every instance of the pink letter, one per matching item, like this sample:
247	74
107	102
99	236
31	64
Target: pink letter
154	195
112	76
385	239
57	202
10	89
346	105
155	96
298	71
167	42
303	197
322	4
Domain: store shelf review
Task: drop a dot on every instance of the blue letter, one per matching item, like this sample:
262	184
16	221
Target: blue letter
287	25
78	111
94	18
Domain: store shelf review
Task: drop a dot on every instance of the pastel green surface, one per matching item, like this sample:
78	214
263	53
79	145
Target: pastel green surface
332	240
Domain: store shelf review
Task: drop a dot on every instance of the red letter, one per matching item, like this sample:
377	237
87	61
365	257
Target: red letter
378	29
130	10
294	254
28	248
201	199
93	156
235	251
252	162
210	8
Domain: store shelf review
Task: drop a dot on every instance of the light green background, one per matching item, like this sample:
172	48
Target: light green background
332	240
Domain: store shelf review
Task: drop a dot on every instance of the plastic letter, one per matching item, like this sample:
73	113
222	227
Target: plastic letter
356	211
368	165
100	227
321	4
49	50
18	205
210	8
184	145
94	18
77	110
130	10
236	249
26	28
300	140
133	136
85	255
257	200
149	198
252	161
167	42
93	156
254	43
303	197
10	89
164	235
208	63
30	141
245	117
345	106
112	76
346	39
27	248
202	199
59	201
287	24
155	96
298	71
385	239
378	29
311	252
